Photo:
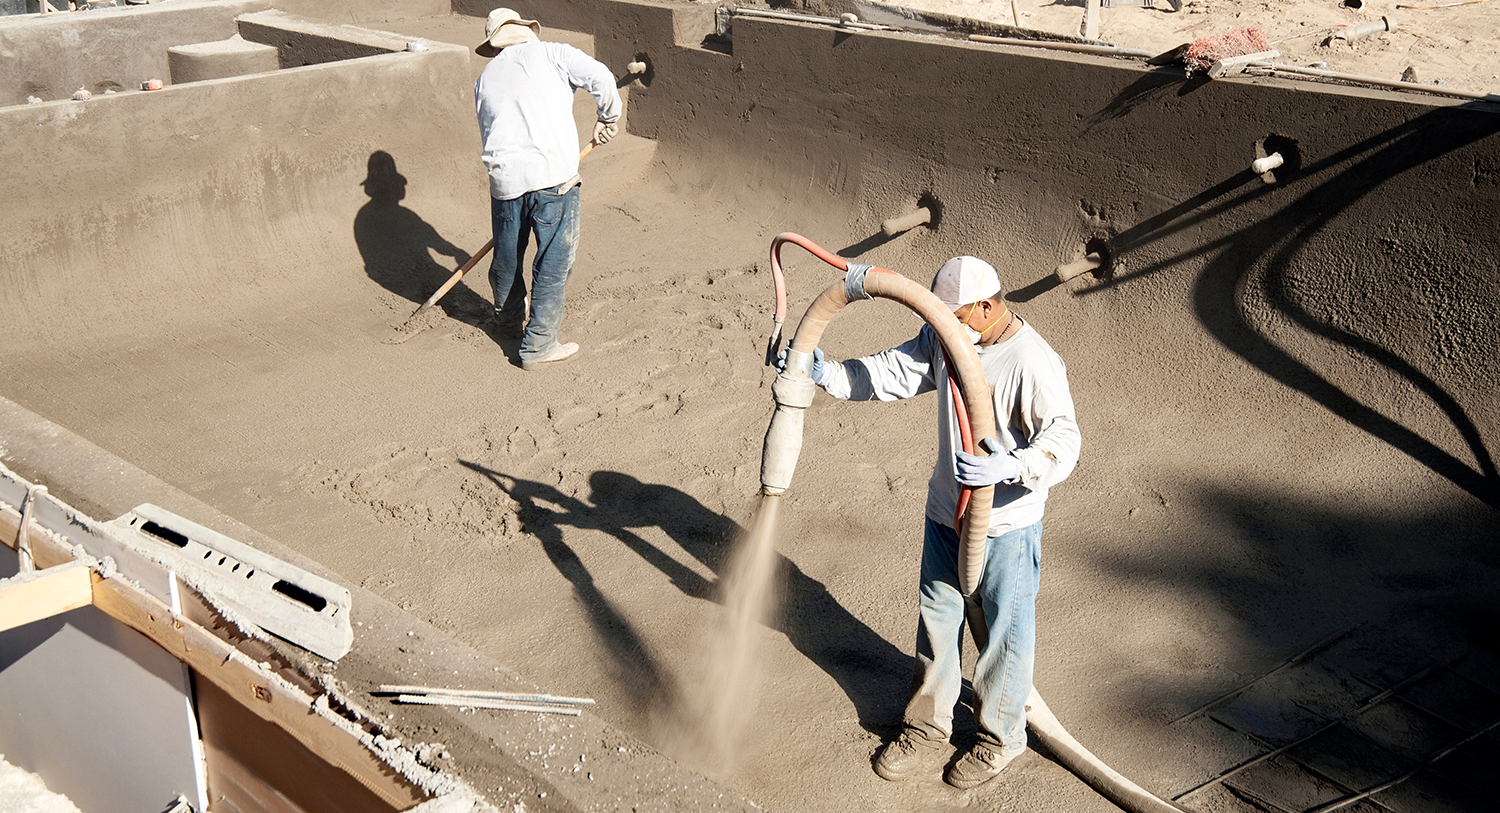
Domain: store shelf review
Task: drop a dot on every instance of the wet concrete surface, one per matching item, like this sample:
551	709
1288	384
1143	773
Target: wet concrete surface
570	523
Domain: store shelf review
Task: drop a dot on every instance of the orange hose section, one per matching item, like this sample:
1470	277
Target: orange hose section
779	280
881	282
966	437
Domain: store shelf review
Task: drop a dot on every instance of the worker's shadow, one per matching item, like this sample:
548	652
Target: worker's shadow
870	670
397	247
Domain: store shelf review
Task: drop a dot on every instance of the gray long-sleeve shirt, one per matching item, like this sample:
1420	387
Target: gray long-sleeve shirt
524	99
1033	416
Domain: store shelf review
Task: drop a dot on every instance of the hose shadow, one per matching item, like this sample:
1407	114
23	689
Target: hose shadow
396	244
870	670
1266	255
870	243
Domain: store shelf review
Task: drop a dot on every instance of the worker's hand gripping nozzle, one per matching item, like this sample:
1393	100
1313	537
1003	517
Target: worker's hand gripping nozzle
793	392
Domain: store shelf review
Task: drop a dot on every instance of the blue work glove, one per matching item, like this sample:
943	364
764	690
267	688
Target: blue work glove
819	369
975	471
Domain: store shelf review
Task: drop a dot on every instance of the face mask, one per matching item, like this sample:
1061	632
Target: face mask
974	335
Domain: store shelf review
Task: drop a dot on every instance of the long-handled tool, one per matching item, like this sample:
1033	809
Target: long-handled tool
474	260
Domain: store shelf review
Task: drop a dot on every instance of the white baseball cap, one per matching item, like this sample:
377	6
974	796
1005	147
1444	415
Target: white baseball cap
965	280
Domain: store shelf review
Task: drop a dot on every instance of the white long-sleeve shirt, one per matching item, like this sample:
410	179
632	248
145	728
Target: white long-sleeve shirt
524	98
1033	416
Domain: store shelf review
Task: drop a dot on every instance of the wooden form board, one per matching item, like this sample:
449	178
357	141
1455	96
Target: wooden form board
29	597
258	768
215	661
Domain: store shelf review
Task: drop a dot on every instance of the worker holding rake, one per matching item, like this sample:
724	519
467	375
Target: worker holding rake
524	99
1038	447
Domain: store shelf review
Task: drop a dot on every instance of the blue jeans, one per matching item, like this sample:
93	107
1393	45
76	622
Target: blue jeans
1002	675
553	216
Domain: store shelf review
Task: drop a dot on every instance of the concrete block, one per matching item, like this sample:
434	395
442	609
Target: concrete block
218	60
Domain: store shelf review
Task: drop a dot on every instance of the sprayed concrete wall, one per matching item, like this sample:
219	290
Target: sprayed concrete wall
1364	279
1299	373
113	49
235	166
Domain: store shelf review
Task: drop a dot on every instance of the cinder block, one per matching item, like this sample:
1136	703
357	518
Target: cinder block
217	60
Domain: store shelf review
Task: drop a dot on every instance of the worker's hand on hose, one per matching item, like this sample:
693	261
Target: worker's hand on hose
604	131
975	471
820	368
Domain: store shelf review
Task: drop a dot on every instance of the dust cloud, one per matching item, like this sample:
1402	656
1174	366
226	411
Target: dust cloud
705	727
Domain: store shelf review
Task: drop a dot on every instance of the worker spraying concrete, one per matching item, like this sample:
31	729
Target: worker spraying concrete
1035	446
998	378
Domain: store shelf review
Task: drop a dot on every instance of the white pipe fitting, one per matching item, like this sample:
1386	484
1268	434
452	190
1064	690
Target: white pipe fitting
1261	166
1355	32
1091	262
636	67
897	225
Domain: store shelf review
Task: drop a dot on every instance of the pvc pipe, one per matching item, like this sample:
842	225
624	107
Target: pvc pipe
897	225
1261	166
1103	49
635	67
1355	32
1090	262
1269	68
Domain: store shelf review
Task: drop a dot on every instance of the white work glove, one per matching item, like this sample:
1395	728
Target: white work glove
604	131
975	471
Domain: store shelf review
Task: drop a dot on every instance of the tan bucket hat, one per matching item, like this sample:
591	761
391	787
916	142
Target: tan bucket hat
506	27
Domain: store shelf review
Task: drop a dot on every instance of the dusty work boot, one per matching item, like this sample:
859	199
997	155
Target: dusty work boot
558	353
906	755
981	764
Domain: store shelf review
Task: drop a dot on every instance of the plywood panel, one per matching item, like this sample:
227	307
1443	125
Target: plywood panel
255	766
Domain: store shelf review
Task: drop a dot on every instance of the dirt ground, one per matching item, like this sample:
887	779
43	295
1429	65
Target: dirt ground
572	522
1457	46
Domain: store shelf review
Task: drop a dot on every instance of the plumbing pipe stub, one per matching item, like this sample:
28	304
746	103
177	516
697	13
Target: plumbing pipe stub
1261	166
1090	262
907	222
854	282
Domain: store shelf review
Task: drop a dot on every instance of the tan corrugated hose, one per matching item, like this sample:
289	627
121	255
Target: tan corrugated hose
793	392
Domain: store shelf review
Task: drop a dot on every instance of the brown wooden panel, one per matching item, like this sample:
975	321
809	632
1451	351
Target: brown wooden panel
256	767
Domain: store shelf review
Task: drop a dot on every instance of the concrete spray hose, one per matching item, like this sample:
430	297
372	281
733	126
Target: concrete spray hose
793	393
